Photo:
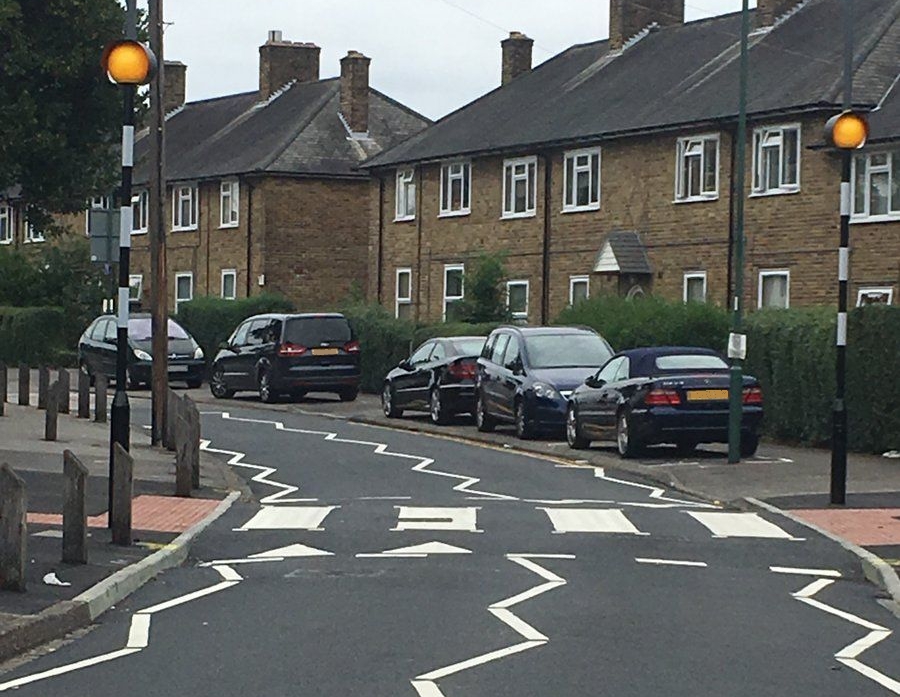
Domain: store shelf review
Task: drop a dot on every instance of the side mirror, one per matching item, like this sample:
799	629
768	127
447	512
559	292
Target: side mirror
594	381
405	364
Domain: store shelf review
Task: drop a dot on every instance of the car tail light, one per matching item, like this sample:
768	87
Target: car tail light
351	347
752	395
662	398
289	349
463	370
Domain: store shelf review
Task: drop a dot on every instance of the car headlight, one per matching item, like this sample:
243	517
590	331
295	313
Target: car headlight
198	353
542	389
142	355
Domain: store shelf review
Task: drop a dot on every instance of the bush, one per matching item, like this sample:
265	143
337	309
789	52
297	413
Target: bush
211	320
485	287
32	335
650	321
384	342
430	331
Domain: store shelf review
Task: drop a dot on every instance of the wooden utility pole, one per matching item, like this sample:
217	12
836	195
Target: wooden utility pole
157	218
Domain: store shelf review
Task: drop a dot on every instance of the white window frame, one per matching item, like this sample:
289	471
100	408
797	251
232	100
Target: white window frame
759	135
454	298
588	169
183	274
7	223
135	281
530	165
229	189
692	275
32	236
681	186
140	204
398	299
178	195
405	190
774	272
573	280
222	276
465	177
519	282
865	215
887	290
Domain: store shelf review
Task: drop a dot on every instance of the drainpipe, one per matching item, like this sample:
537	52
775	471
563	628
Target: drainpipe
419	274
380	271
545	261
249	236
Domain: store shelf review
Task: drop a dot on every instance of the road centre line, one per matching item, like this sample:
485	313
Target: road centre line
669	562
830	573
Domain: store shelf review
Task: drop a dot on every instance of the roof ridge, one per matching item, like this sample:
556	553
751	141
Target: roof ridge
323	100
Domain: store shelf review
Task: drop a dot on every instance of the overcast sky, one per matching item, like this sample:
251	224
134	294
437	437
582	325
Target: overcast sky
432	55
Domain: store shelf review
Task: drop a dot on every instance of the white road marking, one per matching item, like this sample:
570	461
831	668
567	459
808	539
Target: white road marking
139	633
219	562
48	533
443	518
669	562
189	597
425	684
722	524
236	460
849	654
227	573
62	670
288	518
296	550
418	551
830	573
593	520
655	491
385	498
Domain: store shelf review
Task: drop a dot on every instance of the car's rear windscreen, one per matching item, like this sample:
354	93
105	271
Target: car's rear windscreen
468	347
688	361
315	331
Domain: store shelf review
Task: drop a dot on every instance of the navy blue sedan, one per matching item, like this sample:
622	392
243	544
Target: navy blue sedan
671	394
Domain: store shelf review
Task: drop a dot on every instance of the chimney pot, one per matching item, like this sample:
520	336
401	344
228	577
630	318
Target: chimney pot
281	61
628	17
516	56
355	91
174	74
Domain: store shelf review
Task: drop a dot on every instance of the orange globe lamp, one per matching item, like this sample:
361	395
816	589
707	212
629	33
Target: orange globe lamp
129	62
848	130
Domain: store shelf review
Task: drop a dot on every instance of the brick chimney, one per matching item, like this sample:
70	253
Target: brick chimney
174	74
281	61
355	91
767	11
628	17
516	56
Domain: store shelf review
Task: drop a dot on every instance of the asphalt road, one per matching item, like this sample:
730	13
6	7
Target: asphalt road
385	563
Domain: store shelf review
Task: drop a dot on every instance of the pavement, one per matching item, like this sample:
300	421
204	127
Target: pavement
60	597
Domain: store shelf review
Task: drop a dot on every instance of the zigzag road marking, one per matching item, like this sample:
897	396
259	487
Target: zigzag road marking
655	491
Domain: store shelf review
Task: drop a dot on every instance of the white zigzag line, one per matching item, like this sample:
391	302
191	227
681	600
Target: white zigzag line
378	448
425	684
655	492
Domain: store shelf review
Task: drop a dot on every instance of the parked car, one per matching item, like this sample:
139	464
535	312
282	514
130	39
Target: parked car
97	349
279	354
439	377
525	375
671	394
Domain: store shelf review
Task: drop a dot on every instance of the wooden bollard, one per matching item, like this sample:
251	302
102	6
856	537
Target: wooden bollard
24	385
183	473
13	530
100	386
43	386
4	377
193	418
74	547
123	479
171	423
84	395
65	387
51	415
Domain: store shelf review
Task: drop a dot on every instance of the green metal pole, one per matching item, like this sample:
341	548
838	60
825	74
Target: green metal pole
736	388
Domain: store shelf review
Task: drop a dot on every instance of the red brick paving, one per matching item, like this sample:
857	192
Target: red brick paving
150	513
862	526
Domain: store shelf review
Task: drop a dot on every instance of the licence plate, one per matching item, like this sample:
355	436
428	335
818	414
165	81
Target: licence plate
325	352
178	368
707	395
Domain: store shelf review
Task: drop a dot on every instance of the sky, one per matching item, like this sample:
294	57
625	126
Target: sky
432	55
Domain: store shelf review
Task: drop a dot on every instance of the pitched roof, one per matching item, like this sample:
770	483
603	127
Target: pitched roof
623	252
671	77
884	122
296	131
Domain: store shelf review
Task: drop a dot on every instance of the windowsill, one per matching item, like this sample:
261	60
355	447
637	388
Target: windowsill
774	192
519	315
454	214
404	218
34	241
697	199
139	232
229	226
6	241
888	218
772	307
184	229
515	216
581	209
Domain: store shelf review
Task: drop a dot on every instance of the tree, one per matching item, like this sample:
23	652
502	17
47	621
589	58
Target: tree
59	115
485	299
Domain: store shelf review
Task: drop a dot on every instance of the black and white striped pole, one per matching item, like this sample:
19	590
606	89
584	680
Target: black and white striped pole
128	63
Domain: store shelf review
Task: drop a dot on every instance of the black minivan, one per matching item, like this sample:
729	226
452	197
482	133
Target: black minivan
278	354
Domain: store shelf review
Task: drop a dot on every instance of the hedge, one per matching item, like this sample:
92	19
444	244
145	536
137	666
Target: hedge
34	335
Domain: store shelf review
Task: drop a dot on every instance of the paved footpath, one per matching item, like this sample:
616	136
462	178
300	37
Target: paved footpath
381	562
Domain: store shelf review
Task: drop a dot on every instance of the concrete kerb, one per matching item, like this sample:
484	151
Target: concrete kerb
67	616
875	569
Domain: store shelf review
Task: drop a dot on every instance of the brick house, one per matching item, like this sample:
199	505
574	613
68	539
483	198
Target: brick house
264	190
609	168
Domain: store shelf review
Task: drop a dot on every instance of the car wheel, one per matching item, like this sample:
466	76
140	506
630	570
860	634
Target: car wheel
574	438
387	402
349	394
749	444
626	442
524	427
194	384
484	422
686	447
298	395
436	407
218	385
266	393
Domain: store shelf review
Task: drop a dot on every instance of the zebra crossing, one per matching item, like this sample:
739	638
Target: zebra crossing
559	520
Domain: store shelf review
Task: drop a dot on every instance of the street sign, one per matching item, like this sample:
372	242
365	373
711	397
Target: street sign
103	228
